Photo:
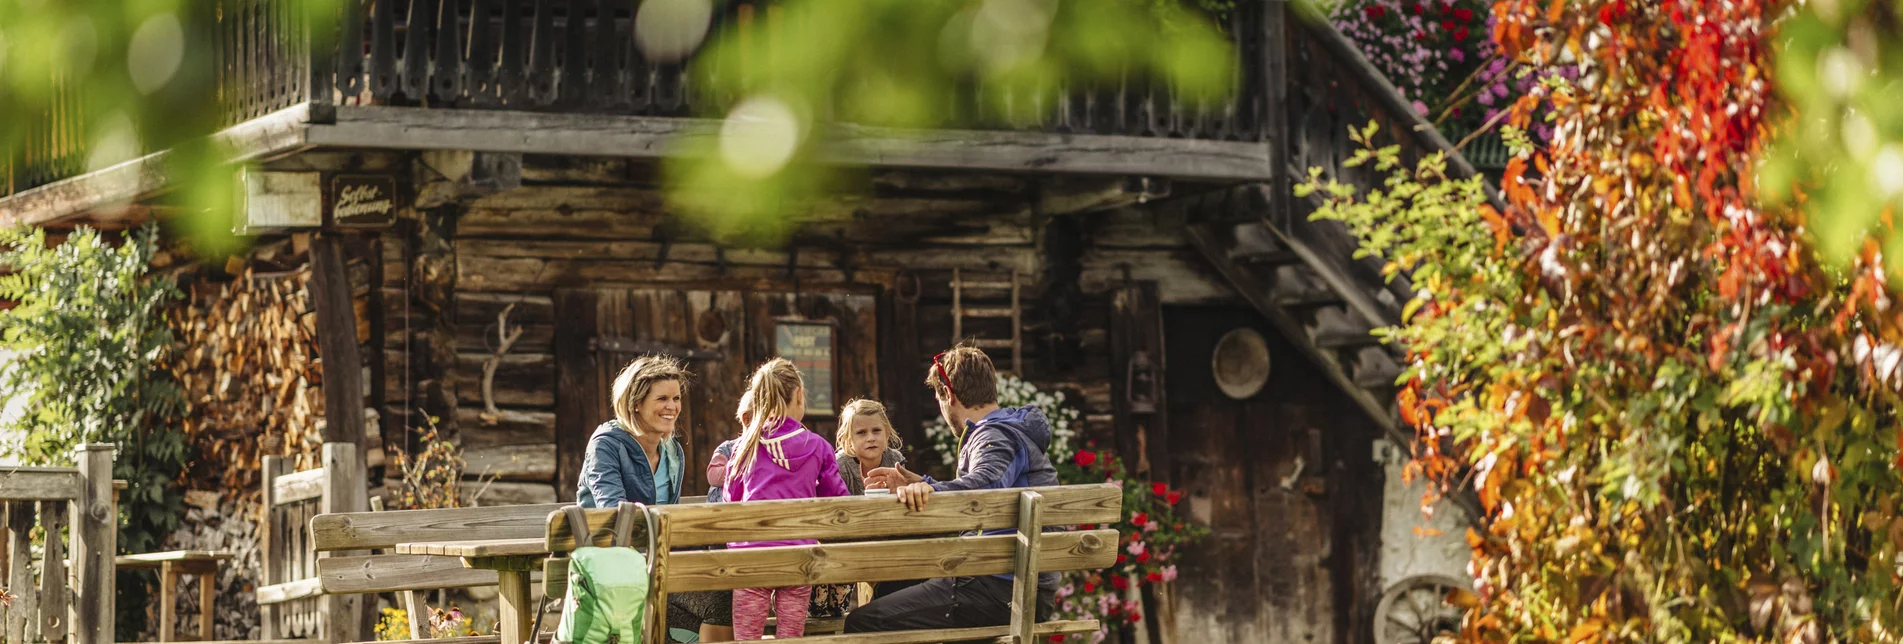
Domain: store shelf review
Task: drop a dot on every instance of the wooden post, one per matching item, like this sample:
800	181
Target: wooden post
1024	579
54	595
95	540
23	617
270	551
341	616
207	596
168	601
512	591
1275	93
337	345
657	576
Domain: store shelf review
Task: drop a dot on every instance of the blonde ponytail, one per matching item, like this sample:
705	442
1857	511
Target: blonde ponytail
768	399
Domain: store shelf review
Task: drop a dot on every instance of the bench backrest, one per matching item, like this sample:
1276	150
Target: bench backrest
361	572
290	598
843	525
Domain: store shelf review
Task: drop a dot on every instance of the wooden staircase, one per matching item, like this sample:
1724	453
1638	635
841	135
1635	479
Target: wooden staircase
1320	308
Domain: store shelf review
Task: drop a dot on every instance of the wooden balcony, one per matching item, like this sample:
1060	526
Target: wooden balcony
566	77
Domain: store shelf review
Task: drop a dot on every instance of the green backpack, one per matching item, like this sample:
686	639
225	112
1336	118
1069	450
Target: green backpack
607	587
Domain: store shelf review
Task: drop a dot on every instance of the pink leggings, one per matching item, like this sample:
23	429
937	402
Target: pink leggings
750	606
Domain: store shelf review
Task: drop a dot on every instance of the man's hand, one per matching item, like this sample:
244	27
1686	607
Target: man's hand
890	478
914	495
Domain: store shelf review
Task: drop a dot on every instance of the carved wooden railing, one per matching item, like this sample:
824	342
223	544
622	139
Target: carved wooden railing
580	56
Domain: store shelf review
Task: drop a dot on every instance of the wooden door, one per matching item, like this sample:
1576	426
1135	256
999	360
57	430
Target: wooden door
721	336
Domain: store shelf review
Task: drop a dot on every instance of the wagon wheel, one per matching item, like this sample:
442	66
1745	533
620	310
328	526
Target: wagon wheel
1418	609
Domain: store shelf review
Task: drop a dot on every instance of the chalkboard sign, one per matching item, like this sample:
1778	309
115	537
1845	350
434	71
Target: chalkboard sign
810	346
362	201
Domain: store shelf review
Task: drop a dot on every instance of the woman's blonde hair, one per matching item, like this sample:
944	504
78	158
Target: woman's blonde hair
864	407
637	380
768	398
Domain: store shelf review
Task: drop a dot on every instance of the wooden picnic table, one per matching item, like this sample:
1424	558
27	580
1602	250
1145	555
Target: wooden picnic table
202	564
512	559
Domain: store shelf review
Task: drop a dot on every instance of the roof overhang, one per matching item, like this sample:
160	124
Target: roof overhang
101	193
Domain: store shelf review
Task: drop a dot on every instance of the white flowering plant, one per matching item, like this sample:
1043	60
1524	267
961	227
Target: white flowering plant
1149	532
1018	392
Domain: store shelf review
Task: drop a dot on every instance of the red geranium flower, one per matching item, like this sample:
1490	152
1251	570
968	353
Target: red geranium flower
1140	519
1376	11
1460	35
1153	577
1120	559
1143	558
1463	14
1173	497
1119	582
1090	586
1420	36
1134	617
1057	638
1415	8
1447	25
1084	458
1158	489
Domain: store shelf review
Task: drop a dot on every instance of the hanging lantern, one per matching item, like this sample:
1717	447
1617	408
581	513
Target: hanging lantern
1139	385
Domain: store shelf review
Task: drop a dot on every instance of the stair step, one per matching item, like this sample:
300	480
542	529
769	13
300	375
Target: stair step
986	312
1270	258
1374	367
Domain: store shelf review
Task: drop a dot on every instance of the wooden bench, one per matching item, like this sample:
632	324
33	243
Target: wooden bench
905	549
171	565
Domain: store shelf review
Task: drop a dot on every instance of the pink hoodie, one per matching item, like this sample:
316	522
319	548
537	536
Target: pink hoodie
792	463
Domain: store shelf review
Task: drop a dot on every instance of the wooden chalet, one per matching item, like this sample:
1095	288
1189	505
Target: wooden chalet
474	193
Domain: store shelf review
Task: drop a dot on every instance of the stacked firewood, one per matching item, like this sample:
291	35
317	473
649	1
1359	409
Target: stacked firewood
250	371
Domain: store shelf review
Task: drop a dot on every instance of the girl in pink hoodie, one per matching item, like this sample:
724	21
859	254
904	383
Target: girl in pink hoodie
777	459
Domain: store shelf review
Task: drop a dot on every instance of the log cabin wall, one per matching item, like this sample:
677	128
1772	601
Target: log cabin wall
585	245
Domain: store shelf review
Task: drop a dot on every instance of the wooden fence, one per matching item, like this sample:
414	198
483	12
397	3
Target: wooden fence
51	601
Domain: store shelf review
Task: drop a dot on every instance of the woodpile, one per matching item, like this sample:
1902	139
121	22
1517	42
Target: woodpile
251	375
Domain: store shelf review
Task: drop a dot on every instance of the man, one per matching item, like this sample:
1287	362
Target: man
999	448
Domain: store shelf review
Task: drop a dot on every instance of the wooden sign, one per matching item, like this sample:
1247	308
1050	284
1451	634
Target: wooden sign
271	202
362	201
810	346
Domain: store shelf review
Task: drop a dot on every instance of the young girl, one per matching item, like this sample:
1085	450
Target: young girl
777	459
866	441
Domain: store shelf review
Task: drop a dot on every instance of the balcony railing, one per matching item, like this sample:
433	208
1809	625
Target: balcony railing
580	56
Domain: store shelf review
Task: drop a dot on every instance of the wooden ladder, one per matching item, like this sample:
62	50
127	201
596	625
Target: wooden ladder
1015	313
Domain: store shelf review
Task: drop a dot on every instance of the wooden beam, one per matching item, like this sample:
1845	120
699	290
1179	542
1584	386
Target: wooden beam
839	563
371	530
613	135
39	484
103	193
848	518
991	634
280	593
301	486
337	344
394	573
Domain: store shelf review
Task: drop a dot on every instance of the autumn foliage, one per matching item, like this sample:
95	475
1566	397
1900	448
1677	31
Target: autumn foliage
1673	418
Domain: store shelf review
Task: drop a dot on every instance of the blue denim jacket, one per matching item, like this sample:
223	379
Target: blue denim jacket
616	469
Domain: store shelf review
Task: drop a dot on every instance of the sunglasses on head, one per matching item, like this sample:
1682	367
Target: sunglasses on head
943	379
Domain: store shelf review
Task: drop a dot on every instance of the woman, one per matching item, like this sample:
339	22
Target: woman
636	458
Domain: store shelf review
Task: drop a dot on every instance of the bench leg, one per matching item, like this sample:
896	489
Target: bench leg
207	593
168	601
419	614
515	607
